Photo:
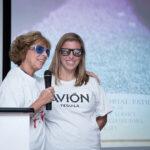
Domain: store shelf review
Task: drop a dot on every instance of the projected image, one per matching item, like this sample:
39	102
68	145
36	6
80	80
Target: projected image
117	41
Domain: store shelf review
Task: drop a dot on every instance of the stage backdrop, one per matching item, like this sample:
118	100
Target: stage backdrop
1	41
117	39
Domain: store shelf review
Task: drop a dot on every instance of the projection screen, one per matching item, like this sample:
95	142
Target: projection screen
117	40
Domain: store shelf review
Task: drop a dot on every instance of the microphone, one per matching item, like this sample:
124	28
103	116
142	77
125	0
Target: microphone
48	78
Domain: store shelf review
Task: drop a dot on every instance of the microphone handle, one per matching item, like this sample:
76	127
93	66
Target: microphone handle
47	85
49	106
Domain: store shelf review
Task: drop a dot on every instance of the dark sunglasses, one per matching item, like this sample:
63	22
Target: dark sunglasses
40	49
67	51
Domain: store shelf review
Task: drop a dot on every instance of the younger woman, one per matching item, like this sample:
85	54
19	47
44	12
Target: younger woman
80	106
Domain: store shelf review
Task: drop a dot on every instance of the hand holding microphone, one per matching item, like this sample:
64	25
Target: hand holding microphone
46	96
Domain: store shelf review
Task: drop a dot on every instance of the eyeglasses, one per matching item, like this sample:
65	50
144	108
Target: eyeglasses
67	51
40	49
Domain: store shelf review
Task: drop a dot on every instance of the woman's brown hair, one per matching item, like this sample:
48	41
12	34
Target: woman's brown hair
22	43
80	72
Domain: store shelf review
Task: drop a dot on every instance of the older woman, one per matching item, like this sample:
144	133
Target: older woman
21	88
80	106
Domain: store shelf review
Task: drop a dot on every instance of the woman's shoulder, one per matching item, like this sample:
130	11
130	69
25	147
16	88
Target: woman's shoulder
93	81
12	78
13	73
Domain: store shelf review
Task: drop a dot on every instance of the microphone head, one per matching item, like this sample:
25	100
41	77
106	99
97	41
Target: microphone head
47	73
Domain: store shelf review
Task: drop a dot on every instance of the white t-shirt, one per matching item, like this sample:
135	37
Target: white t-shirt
20	90
71	124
